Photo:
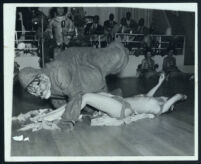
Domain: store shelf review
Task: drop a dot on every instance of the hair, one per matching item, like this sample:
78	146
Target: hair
141	22
111	15
128	14
53	11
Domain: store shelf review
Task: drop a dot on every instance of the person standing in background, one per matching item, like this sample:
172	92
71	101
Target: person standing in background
61	28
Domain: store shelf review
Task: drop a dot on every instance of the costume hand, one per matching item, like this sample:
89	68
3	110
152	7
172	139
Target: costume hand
66	126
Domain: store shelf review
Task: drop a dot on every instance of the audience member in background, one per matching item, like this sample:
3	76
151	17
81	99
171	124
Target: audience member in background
170	67
29	19
123	28
78	17
95	27
18	23
108	27
142	29
61	28
37	19
147	69
128	24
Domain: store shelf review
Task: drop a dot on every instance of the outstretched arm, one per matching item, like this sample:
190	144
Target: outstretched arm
154	89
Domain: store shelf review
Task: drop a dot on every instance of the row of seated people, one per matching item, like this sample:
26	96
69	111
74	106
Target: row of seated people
127	25
62	29
62	23
147	68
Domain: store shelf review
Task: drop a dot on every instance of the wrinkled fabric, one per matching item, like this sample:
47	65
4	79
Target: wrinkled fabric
73	108
106	120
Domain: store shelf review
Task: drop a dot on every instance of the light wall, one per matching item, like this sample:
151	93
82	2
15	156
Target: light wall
130	70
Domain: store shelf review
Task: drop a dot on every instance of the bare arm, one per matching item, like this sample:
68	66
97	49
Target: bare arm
154	89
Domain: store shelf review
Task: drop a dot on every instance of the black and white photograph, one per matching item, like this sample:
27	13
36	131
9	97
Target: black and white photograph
100	82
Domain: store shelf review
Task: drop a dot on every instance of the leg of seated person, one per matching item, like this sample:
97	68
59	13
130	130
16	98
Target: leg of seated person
179	75
105	104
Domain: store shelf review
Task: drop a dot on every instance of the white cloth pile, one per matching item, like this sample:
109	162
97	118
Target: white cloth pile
40	119
106	120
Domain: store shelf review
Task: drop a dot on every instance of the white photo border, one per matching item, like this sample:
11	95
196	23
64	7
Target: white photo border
9	13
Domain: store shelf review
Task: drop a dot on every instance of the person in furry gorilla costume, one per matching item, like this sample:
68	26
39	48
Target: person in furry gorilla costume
74	72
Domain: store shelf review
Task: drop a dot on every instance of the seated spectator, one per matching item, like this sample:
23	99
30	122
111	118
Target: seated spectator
61	28
94	28
109	26
170	67
128	24
123	28
142	29
147	69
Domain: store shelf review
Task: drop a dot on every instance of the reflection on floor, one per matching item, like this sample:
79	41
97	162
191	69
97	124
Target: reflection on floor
171	134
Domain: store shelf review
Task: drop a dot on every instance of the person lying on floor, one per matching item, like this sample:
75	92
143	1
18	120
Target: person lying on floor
118	107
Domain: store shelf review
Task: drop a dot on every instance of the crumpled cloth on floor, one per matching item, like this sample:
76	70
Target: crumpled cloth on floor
106	120
40	119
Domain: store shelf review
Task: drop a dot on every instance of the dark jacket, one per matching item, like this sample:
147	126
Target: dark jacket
91	30
108	25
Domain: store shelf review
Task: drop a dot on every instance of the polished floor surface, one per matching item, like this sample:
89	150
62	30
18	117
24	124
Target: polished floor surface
171	134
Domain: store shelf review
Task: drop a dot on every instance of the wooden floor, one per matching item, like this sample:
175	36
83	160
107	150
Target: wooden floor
171	134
